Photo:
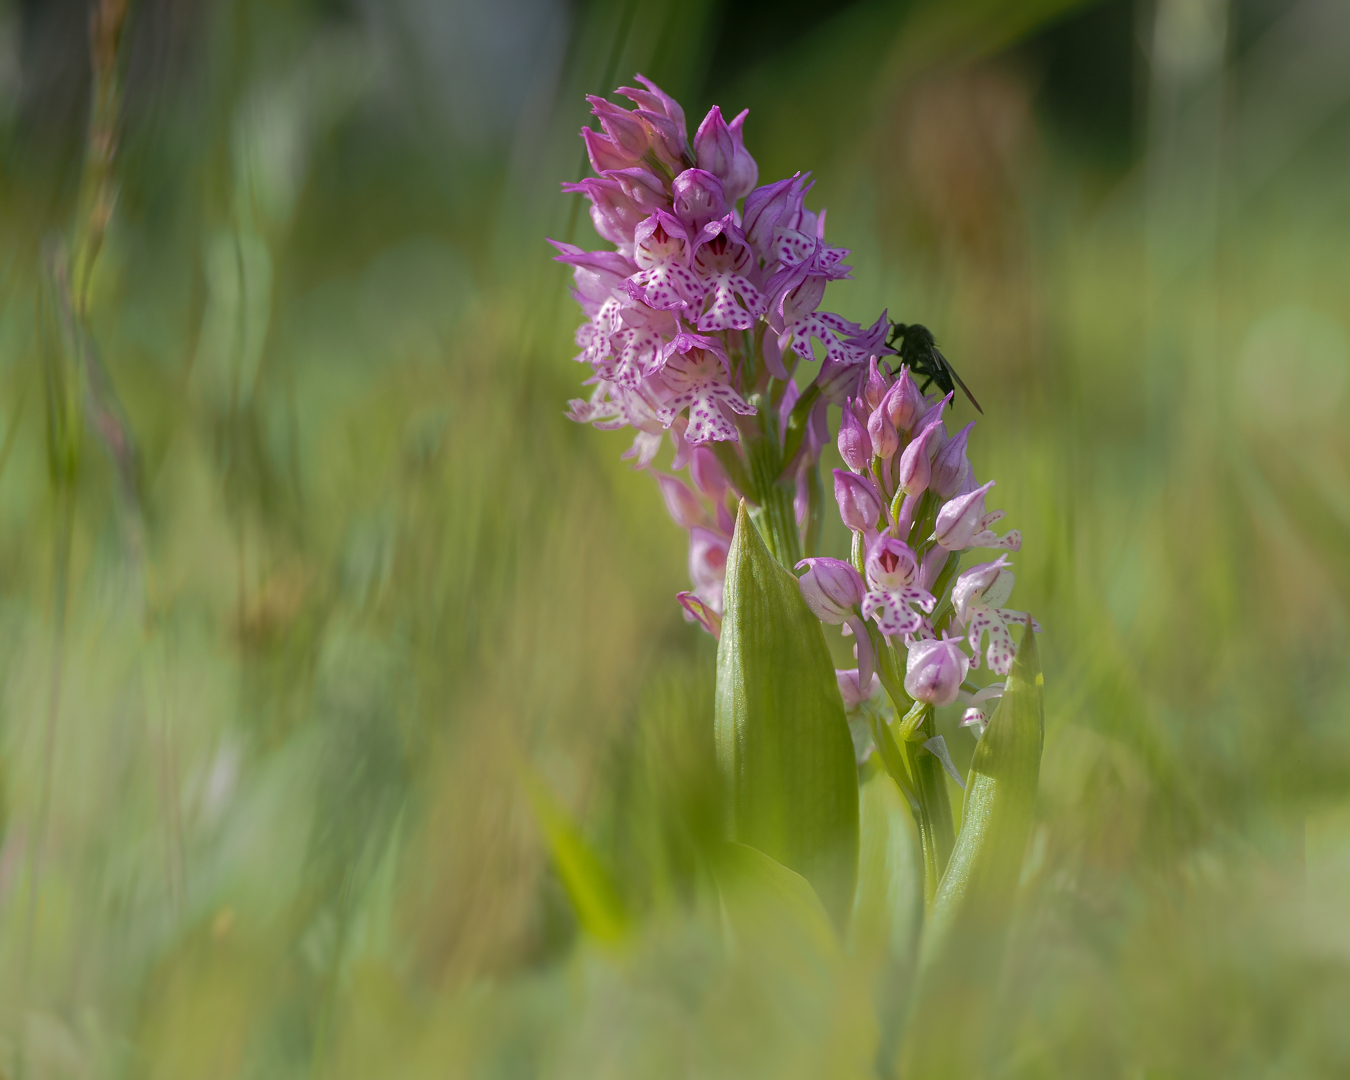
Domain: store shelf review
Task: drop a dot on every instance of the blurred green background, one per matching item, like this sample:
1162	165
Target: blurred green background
267	733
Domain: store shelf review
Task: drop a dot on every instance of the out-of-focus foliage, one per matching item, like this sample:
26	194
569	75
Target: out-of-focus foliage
262	782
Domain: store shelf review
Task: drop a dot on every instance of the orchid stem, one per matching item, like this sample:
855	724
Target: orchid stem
776	515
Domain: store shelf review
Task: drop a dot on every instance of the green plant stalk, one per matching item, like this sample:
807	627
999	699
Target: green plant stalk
937	834
815	509
892	757
795	433
916	771
776	515
964	936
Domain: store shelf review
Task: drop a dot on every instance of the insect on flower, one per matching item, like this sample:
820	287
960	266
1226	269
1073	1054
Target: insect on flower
916	347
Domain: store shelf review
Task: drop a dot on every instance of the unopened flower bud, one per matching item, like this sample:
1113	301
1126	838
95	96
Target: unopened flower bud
644	187
875	390
684	507
950	465
605	154
714	150
852	691
915	468
940	436
959	520
626	130
935	671
707	473
831	589
744	170
858	503
855	445
698	197
885	441
614	214
904	403
771	207
708	565
664	118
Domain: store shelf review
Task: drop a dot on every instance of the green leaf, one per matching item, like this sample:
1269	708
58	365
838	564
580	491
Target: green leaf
761	895
790	980
883	935
962	944
594	898
783	744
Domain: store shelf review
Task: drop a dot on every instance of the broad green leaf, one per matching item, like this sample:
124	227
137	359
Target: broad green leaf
962	944
790	978
594	898
883	934
783	743
762	895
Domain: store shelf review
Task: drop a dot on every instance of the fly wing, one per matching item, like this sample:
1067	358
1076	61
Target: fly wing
946	366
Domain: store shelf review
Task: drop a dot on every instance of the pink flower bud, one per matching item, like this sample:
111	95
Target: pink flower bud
935	671
915	469
604	152
684	507
708	565
831	589
626	130
940	436
933	565
644	187
858	503
707	473
885	441
614	214
744	170
959	520
950	464
663	118
769	207
698	197
890	563
714	150
855	445
904	403
852	691
874	392
838	380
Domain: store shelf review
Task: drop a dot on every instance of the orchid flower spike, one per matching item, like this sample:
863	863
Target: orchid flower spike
710	286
